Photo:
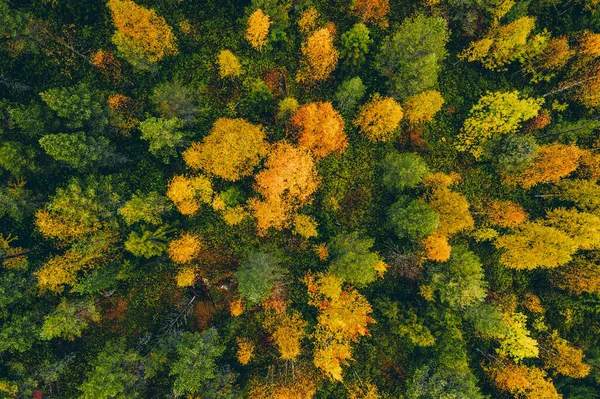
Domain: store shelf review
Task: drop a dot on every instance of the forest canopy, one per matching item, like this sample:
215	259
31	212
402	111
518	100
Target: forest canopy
298	199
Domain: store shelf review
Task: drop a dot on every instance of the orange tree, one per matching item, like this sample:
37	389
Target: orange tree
320	128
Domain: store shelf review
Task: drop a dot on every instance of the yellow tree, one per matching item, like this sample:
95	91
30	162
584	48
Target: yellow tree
82	218
495	114
320	128
437	247
184	248
306	226
245	350
308	20
286	184
423	106
552	163
453	211
188	193
582	227
379	118
229	65
534	245
320	57
558	354
288	331
586	81
516	342
231	151
12	257
344	316
59	271
552	59
258	29
186	277
501	45
142	36
301	385
523	381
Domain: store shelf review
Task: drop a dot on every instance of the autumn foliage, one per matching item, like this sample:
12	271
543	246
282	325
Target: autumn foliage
319	128
344	316
372	11
258	29
245	350
526	381
184	248
189	193
231	150
423	106
535	245
379	118
228	64
553	162
142	30
561	356
453	211
288	331
320	57
286	184
437	248
589	44
506	213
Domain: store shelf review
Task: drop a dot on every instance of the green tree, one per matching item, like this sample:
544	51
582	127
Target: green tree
459	281
585	194
515	152
257	100
69	320
257	276
77	149
196	361
79	105
426	383
487	320
163	135
414	219
16	202
30	119
19	331
16	158
175	100
406	324
349	94
495	114
573	131
146	208
412	57
114	373
352	259
13	23
148	244
403	170
355	46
